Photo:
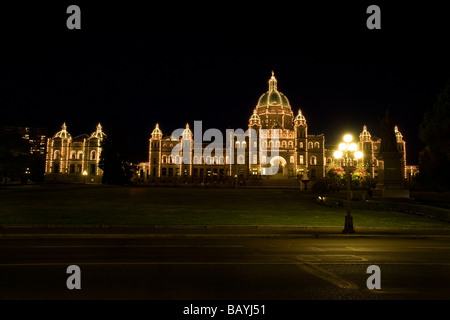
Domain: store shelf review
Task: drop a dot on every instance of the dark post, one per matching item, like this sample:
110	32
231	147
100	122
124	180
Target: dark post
348	228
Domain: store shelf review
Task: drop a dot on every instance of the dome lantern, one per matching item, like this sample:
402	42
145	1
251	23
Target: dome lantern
63	134
157	133
300	119
364	135
398	134
273	96
255	119
187	133
98	133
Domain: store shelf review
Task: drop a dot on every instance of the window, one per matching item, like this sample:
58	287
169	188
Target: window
290	144
310	145
164	159
283	144
80	155
195	172
221	172
316	145
154	160
56	168
202	171
244	144
154	171
313	173
241	160
313	160
73	155
300	159
56	155
93	154
164	172
92	169
72	168
238	144
255	159
277	144
292	159
301	144
170	172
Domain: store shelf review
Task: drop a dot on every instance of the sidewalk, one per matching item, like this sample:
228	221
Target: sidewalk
137	231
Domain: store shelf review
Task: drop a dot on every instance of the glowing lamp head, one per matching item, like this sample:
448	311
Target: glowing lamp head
84	173
358	154
352	147
338	154
348	138
342	146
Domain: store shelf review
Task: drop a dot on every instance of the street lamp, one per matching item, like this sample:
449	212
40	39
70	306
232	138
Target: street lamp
84	174
348	150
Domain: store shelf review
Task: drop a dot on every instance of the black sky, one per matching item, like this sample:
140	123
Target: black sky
137	66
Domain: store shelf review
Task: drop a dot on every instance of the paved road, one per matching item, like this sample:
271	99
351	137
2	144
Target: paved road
225	266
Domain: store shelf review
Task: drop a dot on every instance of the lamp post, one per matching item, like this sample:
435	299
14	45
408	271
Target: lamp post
348	150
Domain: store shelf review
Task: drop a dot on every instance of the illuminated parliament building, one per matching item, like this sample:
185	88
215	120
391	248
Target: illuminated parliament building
301	155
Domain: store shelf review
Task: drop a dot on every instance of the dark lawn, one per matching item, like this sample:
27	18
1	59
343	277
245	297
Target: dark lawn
86	204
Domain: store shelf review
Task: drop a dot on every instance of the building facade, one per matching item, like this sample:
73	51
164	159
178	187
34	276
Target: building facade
300	155
74	160
276	147
370	146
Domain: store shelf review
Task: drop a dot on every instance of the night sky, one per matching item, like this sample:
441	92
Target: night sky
136	66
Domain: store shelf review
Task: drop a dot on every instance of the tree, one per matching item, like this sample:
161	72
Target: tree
434	131
14	156
115	158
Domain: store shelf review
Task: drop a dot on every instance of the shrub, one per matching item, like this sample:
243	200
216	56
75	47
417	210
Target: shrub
319	187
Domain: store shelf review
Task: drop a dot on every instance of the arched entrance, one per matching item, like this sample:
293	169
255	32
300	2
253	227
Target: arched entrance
278	166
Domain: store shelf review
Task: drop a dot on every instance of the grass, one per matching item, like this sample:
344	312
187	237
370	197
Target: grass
79	204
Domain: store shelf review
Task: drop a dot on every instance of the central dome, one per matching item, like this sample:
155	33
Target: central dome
273	96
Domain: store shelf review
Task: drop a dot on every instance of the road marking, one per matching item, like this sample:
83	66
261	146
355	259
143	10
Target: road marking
31	264
142	246
336	258
445	248
326	275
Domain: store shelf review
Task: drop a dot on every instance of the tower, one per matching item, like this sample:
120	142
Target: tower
58	152
254	158
155	153
186	150
300	145
366	146
401	147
